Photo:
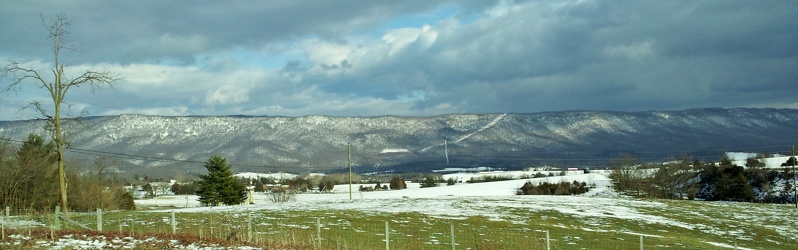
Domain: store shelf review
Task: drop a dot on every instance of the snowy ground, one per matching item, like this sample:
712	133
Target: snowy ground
775	161
341	196
447	201
465	200
492	200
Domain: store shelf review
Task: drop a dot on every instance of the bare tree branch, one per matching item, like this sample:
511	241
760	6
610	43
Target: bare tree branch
19	75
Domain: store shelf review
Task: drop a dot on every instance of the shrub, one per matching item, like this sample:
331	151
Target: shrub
186	189
545	188
326	186
450	181
430	181
280	194
398	184
124	200
489	178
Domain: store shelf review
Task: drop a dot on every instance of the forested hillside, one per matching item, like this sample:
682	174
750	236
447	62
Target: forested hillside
158	144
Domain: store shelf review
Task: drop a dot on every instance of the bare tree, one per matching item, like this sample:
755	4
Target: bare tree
625	174
57	87
103	167
673	180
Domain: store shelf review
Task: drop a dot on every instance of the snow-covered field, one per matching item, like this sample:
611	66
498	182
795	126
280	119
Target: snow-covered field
599	210
739	159
488	199
340	195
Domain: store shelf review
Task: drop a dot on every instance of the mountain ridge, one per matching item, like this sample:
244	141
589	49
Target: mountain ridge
170	144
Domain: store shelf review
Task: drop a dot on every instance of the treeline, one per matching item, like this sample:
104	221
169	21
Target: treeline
306	183
562	188
686	178
29	180
311	183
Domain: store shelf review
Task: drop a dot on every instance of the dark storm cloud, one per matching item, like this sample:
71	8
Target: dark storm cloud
611	55
378	57
146	31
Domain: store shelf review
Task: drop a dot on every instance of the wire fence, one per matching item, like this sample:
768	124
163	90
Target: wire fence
330	232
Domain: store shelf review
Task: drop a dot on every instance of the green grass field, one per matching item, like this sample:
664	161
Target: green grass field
662	223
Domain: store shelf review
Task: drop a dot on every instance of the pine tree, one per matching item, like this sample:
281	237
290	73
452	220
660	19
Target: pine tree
429	182
29	179
219	186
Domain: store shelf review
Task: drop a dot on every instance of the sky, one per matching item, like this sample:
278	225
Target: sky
407	58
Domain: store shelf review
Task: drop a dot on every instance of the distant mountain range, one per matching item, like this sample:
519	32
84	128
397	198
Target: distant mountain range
161	145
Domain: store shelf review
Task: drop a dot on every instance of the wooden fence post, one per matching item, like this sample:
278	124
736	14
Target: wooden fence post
99	219
641	242
387	237
318	230
249	227
174	223
452	232
57	219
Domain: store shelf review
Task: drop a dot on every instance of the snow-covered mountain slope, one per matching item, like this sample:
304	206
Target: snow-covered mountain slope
303	144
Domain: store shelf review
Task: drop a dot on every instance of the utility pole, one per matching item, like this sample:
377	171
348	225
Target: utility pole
349	153
794	188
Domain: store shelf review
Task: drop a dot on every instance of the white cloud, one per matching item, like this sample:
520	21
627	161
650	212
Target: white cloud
227	94
399	39
168	111
147	76
325	55
500	9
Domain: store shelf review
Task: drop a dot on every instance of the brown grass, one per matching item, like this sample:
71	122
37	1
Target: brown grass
38	237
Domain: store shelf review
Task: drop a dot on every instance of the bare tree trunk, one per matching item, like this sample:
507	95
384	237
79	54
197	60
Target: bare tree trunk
62	180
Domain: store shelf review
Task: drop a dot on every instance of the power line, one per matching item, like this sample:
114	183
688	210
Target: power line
116	155
128	156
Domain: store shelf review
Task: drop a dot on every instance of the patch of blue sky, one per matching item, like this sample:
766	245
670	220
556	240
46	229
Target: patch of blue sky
415	96
441	13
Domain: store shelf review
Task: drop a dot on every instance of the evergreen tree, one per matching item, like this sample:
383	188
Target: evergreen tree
430	181
732	184
124	200
451	181
756	172
219	186
147	187
790	162
28	178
